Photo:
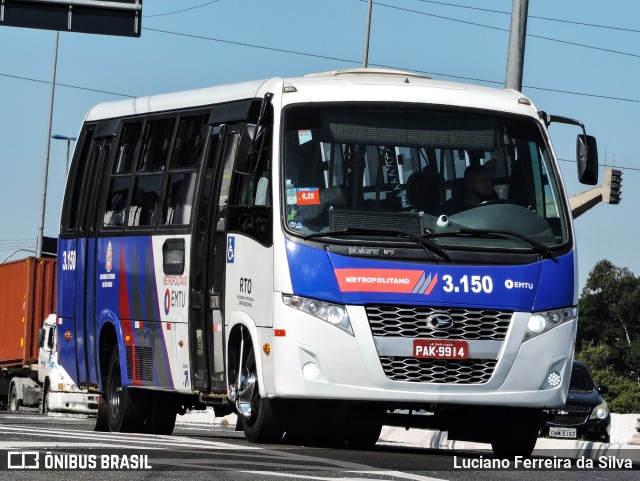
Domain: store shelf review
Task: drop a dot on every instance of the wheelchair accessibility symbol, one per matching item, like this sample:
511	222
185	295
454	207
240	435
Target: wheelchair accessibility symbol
231	249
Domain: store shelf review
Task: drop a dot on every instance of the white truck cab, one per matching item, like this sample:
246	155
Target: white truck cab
59	392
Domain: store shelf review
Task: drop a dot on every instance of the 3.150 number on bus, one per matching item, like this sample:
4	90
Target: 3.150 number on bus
476	284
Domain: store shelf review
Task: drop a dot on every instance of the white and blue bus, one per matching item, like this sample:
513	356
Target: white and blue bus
308	253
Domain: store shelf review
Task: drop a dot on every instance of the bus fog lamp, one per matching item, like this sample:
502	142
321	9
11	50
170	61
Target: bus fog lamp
554	379
310	370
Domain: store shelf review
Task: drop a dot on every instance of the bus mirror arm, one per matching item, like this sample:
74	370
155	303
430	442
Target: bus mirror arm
586	148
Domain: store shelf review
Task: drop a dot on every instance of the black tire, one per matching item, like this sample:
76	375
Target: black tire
363	435
102	421
517	435
14	405
265	424
124	413
161	417
45	400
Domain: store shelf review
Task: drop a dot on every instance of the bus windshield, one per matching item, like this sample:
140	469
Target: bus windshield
462	178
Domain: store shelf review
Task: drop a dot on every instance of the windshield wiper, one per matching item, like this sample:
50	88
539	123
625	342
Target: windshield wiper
465	231
428	245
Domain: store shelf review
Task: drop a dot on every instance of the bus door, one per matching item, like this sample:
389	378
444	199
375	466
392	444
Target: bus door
208	261
85	320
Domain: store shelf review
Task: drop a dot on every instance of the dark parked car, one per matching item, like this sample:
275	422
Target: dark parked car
585	414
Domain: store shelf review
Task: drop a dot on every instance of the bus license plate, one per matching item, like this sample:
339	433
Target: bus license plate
440	349
567	433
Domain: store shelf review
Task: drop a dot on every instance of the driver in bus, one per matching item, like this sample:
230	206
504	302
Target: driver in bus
477	189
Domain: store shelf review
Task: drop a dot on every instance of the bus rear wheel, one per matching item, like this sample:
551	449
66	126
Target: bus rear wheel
161	416
123	413
259	417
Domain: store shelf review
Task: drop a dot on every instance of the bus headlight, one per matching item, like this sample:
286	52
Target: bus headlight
333	314
540	322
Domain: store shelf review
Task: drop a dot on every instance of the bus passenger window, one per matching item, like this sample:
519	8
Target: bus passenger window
179	199
144	200
127	150
187	149
156	146
116	202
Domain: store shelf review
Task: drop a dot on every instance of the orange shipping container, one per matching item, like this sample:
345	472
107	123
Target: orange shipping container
27	297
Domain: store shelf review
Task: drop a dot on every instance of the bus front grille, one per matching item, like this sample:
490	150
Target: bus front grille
414	322
439	371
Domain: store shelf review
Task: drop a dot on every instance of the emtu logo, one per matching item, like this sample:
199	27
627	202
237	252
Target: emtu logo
167	302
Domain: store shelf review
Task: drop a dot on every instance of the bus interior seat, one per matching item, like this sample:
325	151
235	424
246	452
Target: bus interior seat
423	191
113	218
135	216
262	191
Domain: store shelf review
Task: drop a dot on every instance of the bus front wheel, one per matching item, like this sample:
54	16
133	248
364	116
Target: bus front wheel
517	435
258	416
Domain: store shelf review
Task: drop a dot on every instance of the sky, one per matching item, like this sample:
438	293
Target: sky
582	61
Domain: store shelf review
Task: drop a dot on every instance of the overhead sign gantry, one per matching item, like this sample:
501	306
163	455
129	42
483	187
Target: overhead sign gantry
114	17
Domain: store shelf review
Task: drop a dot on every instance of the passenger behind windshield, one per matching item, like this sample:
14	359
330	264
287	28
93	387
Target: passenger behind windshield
477	189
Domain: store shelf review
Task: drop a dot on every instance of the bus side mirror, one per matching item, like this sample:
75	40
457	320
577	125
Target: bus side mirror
587	157
51	340
247	155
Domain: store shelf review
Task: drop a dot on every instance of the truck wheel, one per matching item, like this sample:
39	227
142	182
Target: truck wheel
262	425
45	401
13	400
123	414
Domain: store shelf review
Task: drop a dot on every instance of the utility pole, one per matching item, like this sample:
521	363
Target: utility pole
367	35
517	38
47	150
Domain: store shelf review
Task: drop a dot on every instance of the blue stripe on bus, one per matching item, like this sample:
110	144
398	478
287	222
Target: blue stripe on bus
332	277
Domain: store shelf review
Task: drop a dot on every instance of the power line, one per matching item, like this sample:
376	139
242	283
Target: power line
476	24
549	19
48	82
621	167
326	57
180	11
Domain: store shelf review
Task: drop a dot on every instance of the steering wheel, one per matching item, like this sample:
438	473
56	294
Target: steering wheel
492	202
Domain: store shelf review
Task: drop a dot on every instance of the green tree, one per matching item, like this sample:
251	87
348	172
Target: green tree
610	316
623	394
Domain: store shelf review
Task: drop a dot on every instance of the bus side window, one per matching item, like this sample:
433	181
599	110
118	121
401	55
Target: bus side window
187	154
250	201
121	176
72	201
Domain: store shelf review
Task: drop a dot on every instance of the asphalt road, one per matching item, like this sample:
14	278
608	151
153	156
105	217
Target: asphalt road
64	446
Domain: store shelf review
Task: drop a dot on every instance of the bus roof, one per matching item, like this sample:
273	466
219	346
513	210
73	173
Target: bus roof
341	85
